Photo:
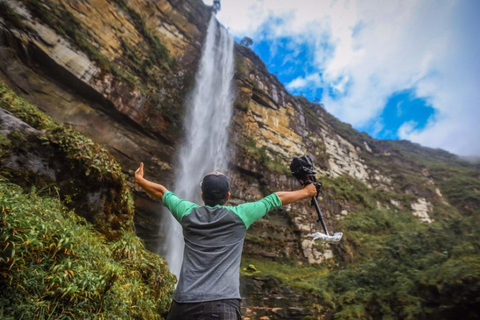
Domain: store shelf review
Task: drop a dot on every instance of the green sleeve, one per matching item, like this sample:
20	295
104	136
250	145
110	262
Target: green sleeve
178	207
252	211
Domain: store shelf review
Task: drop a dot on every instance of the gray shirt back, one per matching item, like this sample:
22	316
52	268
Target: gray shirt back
213	246
211	259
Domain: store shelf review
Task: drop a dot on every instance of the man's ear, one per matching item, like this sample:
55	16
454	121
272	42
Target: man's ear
228	197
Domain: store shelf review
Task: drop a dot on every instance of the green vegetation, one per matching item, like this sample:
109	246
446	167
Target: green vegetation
241	68
389	265
458	180
4	145
148	63
249	146
393	268
53	265
75	146
86	166
242	106
158	54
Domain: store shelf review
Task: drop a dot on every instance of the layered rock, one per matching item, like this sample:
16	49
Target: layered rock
124	81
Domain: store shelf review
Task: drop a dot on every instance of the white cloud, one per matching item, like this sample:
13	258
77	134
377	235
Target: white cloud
309	80
407	128
367	50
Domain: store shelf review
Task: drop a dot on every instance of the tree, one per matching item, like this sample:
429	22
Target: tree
246	42
216	6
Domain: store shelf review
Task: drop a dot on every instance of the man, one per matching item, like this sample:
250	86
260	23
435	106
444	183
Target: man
209	282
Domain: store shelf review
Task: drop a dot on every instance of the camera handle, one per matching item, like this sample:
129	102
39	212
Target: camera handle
311	179
320	215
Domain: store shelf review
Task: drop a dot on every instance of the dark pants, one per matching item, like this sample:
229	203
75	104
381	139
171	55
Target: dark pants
211	310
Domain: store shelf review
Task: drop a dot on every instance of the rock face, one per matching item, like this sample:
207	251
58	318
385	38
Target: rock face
421	209
47	156
119	72
277	301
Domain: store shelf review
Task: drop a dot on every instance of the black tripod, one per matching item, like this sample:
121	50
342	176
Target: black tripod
302	169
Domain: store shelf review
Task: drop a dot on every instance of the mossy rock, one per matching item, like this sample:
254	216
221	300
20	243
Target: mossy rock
88	178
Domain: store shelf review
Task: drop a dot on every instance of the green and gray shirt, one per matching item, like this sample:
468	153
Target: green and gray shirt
213	246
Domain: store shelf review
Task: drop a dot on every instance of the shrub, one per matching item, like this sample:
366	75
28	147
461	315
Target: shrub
53	264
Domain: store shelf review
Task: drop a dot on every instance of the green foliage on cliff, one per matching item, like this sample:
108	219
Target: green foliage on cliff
389	265
54	265
158	53
251	149
458	180
393	267
86	166
407	269
4	144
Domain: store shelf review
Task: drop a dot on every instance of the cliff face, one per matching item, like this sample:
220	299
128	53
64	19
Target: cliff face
120	71
100	68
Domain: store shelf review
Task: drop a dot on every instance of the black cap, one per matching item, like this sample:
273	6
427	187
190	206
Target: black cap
215	186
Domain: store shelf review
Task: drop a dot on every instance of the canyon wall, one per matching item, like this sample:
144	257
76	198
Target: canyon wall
120	72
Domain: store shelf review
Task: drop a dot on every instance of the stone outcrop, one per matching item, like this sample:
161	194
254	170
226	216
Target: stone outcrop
343	158
50	156
421	208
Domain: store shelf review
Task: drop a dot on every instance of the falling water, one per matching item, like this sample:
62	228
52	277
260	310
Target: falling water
206	124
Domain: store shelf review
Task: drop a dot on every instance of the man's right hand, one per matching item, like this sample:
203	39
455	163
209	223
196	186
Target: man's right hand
311	190
287	197
139	173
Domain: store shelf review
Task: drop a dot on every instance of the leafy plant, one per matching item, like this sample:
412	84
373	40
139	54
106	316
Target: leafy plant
55	265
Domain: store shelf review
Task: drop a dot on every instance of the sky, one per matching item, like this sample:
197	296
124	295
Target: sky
396	69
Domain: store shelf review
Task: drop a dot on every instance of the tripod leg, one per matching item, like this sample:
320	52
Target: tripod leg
320	215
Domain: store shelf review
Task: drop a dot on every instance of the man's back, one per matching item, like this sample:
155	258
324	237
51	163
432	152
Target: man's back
211	260
209	279
213	246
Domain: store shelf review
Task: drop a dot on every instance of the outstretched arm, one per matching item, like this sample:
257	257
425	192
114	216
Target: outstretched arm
288	197
154	189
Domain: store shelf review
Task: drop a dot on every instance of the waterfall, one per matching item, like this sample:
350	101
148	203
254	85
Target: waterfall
206	123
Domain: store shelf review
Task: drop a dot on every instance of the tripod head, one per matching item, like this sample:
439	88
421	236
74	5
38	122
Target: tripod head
302	169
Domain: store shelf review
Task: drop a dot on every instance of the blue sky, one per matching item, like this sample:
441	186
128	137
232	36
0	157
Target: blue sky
395	69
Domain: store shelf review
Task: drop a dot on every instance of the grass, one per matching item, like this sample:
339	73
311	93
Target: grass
249	146
54	265
308	277
393	267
